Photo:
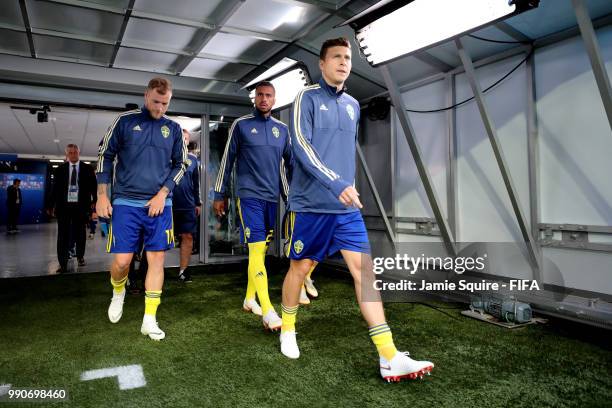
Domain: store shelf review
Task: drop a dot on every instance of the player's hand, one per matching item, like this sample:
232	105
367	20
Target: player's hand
198	210
350	197
156	204
103	206
219	207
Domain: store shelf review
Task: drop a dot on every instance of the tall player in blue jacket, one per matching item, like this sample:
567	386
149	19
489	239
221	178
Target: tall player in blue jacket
325	205
149	157
260	145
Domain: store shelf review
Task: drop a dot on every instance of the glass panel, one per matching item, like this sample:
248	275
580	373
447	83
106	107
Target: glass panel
223	233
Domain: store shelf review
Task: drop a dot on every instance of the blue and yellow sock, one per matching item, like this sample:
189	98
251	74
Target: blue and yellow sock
118	286
383	340
289	316
152	300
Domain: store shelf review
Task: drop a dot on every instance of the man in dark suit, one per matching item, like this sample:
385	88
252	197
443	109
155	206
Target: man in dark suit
13	203
73	196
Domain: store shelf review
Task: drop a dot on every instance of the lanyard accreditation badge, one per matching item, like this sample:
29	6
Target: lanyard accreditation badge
73	194
73	186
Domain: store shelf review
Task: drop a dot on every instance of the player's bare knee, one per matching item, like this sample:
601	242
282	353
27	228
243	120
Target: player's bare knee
155	256
302	267
122	262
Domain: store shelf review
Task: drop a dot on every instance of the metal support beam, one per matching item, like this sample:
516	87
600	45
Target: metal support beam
592	47
254	34
207	26
12	27
532	147
379	204
574	236
451	171
512	32
88	5
570	32
28	27
435	62
126	18
172	20
458	70
140	46
532	250
325	6
434	202
206	204
228	59
72	36
206	36
393	144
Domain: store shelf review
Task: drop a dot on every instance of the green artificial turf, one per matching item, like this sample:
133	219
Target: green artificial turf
54	328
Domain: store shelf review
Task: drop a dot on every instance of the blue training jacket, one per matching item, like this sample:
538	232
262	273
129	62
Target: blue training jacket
261	148
323	137
186	194
149	154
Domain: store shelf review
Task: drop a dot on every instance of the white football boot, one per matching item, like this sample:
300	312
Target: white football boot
115	310
271	321
289	345
150	328
304	300
402	367
252	306
310	288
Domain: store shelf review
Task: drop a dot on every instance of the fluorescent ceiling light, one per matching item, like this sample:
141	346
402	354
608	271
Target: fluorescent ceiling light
56	161
275	69
392	29
187	123
287	82
293	16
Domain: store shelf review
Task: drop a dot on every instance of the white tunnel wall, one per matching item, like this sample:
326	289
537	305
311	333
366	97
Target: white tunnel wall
575	146
375	142
484	210
575	151
575	141
431	131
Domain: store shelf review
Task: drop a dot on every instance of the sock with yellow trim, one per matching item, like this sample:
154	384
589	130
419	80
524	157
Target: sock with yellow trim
257	272
118	286
383	340
152	300
289	316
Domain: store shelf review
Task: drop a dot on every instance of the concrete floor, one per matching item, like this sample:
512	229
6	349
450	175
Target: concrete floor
32	252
